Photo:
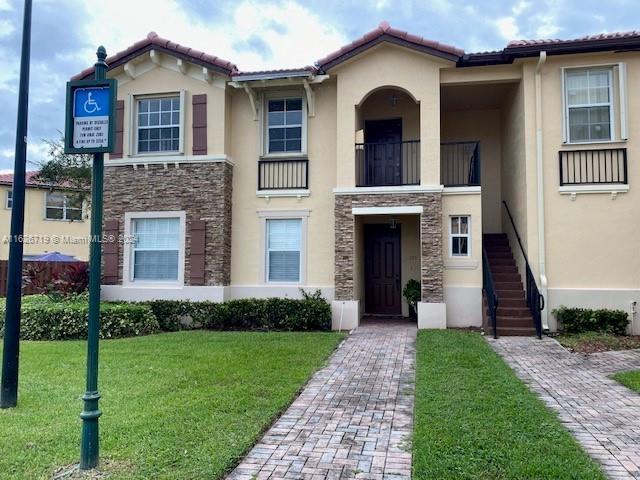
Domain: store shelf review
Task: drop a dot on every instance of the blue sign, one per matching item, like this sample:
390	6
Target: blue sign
91	102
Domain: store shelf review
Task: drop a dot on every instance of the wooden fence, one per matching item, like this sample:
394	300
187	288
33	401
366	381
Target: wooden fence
46	272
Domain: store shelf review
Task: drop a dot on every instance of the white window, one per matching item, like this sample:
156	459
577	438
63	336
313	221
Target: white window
156	249
159	124
285	131
9	202
589	104
460	236
284	240
62	207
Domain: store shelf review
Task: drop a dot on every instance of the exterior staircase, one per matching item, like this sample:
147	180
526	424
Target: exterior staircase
513	316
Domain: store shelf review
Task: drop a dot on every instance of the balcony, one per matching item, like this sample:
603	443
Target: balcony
388	163
283	174
460	164
593	167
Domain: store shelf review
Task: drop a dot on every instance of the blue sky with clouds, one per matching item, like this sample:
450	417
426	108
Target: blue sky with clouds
258	34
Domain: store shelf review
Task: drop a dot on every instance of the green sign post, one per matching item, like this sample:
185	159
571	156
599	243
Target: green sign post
90	128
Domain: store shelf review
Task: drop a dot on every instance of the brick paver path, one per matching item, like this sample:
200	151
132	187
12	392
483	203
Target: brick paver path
601	414
353	419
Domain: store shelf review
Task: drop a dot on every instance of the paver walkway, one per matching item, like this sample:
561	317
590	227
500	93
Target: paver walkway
602	415
353	419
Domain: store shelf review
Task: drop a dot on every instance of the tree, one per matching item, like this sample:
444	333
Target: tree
73	172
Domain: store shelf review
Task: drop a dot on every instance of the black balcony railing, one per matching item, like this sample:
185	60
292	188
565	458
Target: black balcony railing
593	167
460	164
388	163
283	174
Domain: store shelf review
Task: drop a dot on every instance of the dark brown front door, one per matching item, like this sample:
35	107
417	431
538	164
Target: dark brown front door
383	151
382	269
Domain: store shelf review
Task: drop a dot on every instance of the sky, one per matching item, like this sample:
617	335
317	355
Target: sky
256	35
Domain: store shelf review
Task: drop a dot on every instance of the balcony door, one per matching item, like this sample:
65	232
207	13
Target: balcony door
383	151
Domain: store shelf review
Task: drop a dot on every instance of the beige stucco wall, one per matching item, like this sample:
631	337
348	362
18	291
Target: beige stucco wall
37	230
246	263
161	79
389	66
462	271
483	126
590	242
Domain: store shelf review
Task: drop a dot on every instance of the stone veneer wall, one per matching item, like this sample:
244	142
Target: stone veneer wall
432	266
202	190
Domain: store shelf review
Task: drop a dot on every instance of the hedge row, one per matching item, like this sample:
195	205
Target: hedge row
44	319
310	313
578	320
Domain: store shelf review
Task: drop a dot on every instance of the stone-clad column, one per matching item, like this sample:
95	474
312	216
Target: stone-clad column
344	248
432	267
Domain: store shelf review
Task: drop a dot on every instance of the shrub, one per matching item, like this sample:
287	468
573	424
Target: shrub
63	284
312	312
44	319
578	320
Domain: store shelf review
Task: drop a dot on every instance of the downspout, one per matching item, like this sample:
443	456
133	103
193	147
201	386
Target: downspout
540	196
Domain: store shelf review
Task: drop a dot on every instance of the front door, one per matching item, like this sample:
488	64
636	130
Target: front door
383	151
382	269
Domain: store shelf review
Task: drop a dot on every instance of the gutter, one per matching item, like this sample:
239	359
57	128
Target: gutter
540	184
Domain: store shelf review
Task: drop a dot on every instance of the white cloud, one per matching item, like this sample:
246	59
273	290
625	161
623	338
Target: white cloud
6	28
548	26
507	28
5	6
295	35
520	7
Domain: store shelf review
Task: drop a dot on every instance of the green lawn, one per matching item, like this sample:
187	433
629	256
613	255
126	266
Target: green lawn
474	419
182	405
629	379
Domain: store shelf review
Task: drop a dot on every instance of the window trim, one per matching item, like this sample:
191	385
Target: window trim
127	264
133	123
64	208
613	137
264	137
301	215
459	235
8	197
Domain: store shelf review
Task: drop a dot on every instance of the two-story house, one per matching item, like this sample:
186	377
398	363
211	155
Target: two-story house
54	219
393	158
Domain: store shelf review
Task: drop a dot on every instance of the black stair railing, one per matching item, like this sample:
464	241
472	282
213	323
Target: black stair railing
535	300
489	290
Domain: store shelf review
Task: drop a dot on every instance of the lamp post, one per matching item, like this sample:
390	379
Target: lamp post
10	353
90	446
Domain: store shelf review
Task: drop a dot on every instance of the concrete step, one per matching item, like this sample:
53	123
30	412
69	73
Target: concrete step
513	302
505	277
509	294
502	261
496	269
499	254
516	331
508	285
508	322
513	311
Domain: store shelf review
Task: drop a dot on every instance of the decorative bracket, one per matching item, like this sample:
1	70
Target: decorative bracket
130	70
181	66
253	99
207	75
154	56
311	99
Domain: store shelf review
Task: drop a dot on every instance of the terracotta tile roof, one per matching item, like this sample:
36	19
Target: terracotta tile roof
278	72
386	32
587	39
31	180
153	41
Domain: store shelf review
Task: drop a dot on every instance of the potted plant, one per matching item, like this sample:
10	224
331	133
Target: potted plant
412	294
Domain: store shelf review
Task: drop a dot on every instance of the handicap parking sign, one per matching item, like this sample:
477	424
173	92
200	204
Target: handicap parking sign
90	116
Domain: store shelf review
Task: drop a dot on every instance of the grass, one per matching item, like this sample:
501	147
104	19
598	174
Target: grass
182	405
590	342
629	379
474	419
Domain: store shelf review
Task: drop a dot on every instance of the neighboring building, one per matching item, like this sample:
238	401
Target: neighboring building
54	219
388	160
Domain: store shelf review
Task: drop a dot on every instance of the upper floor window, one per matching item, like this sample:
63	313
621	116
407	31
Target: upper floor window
589	99
9	202
285	122
159	124
62	207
